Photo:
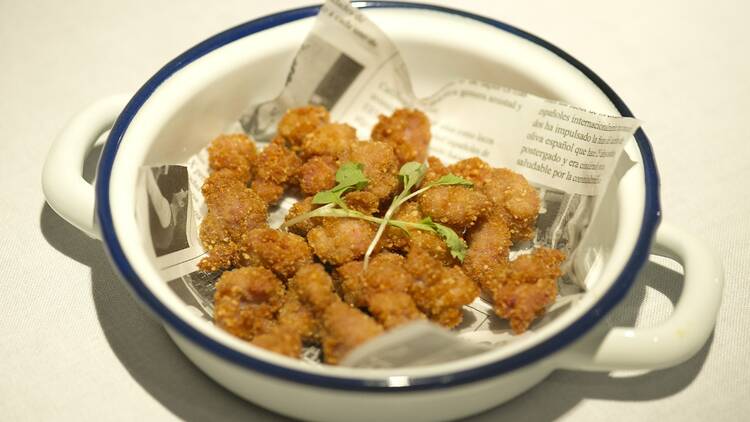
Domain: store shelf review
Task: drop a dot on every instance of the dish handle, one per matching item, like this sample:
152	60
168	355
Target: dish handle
62	182
672	342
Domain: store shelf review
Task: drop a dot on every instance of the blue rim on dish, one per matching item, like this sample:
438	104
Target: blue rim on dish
612	297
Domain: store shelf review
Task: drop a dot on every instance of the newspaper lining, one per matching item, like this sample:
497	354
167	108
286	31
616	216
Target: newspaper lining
348	65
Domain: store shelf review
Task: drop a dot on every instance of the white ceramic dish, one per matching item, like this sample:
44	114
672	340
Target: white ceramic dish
196	95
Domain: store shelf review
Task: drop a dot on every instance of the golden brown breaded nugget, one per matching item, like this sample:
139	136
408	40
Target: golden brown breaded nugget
393	308
246	300
314	287
281	340
518	199
407	131
345	328
528	286
268	191
299	122
233	210
277	167
233	152
299	208
473	169
362	201
317	174
385	272
340	240
299	317
333	140
396	239
489	243
281	252
440	292
455	206
380	167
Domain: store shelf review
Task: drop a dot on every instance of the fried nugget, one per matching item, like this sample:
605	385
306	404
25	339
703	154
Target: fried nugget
299	317
345	328
440	292
314	287
302	207
281	340
277	168
518	199
396	239
340	240
281	252
317	174
385	272
246	300
362	201
298	122
235	153
473	169
455	206
528	286
489	243
233	210
380	167
407	131
333	140
393	308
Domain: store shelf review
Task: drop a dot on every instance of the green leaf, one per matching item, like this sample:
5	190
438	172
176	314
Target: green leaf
326	197
455	243
350	175
412	173
452	179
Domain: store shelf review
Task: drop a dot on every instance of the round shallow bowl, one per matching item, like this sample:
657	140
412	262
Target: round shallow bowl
195	96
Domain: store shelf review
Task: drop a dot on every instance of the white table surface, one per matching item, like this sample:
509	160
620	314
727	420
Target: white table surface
74	345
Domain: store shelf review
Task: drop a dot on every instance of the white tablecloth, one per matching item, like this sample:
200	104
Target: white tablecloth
74	345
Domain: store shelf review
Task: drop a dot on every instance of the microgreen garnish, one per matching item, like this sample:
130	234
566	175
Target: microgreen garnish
455	243
349	177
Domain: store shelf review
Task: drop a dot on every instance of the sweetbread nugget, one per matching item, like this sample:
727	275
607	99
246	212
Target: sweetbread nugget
489	244
440	292
456	206
345	328
233	211
519	201
246	301
340	240
281	252
407	131
235	153
380	167
317	174
298	122
333	140
277	168
527	287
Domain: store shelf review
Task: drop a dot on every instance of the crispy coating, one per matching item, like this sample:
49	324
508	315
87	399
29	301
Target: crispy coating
233	210
362	201
407	131
333	140
396	239
298	317
270	192
473	169
246	300
345	328
380	167
528	286
281	252
385	272
277	167
440	292
281	340
235	153
518	199
456	206
299	122
489	244
317	174
314	287
341	240
299	208
393	308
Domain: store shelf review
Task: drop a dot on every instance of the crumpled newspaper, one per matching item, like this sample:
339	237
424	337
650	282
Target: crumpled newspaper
348	65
